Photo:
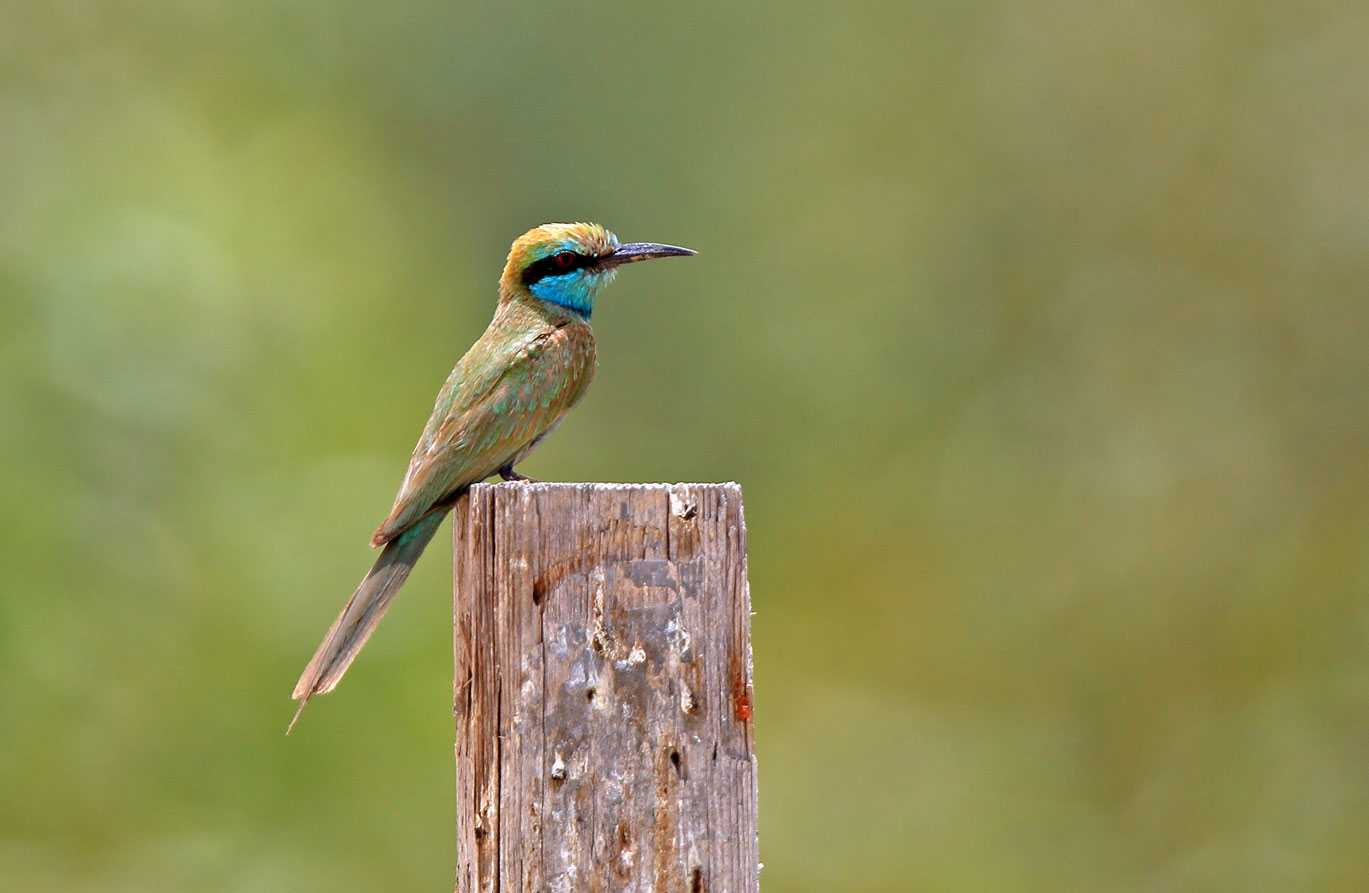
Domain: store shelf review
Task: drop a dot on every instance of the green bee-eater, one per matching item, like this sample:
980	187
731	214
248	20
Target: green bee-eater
507	393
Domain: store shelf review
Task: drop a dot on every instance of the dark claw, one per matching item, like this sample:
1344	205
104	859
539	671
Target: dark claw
508	474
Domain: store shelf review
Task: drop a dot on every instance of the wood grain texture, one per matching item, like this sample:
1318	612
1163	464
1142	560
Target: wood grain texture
603	689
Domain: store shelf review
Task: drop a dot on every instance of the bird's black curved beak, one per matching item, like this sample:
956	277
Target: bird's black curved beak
635	251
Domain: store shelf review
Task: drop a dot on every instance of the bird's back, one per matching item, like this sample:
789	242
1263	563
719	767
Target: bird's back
515	383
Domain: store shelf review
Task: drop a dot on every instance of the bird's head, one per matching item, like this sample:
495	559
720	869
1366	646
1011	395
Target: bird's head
566	264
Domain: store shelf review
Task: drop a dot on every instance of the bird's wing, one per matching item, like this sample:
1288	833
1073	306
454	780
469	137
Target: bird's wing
496	402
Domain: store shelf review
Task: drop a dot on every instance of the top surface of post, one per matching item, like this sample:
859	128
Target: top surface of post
603	688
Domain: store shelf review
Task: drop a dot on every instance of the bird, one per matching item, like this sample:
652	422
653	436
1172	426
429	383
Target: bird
504	396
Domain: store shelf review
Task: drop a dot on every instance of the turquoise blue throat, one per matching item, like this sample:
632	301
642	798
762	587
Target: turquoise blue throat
573	291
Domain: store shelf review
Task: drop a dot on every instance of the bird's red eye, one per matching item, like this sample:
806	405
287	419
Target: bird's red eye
565	260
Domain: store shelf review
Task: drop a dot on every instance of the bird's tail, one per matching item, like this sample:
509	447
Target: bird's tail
356	622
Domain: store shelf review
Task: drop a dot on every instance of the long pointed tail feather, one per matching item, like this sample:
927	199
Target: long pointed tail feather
367	605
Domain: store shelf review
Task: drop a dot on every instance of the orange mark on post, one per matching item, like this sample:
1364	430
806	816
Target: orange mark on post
741	692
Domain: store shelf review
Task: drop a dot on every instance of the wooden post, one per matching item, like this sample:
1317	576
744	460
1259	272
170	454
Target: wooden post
603	690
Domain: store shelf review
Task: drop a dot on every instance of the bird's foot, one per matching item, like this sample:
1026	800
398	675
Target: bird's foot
508	474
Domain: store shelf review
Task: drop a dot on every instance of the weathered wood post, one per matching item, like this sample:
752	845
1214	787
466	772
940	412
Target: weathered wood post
603	689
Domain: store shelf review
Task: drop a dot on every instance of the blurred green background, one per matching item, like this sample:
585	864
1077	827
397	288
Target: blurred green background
1036	334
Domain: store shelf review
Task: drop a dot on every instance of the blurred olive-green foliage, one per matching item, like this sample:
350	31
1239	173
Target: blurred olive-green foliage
1036	333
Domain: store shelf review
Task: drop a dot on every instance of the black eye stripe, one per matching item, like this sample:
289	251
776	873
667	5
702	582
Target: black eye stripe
550	266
